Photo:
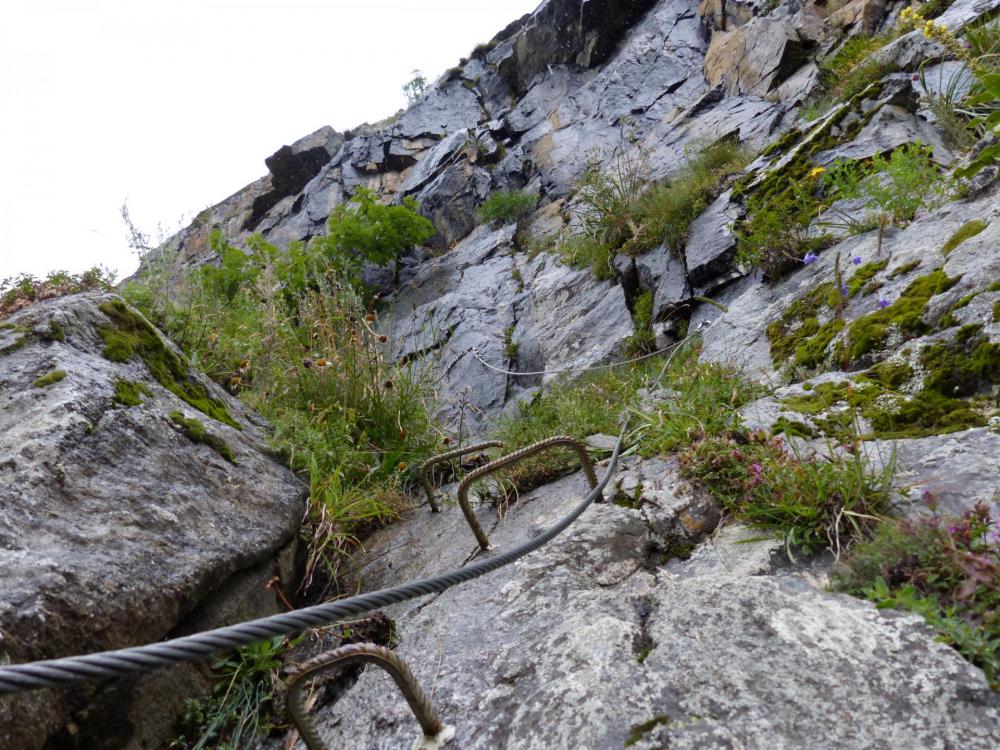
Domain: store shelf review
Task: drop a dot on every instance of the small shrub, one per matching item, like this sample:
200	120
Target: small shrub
508	207
944	569
17	292
642	340
415	87
849	70
898	186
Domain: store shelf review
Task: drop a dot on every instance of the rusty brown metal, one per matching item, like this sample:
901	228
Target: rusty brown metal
425	469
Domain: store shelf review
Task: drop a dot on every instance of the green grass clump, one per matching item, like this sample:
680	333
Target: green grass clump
195	432
53	377
904	315
56	332
848	71
814	504
945	569
130	393
964	232
132	335
582	251
506	207
642	340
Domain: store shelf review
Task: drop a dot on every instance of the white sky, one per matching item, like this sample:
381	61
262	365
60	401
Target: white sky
174	104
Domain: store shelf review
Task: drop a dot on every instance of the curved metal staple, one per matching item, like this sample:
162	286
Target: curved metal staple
353	653
425	469
200	646
513	458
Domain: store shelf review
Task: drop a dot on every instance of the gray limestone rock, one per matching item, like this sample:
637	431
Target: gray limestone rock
754	58
589	643
117	529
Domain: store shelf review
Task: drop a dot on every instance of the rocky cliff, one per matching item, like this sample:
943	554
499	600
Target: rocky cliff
609	637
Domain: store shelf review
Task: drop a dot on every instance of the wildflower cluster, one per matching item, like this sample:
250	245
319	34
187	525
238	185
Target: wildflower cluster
911	18
946	569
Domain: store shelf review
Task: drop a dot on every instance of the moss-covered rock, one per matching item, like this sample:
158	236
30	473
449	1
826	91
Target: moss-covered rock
132	335
964	232
195	432
130	393
53	377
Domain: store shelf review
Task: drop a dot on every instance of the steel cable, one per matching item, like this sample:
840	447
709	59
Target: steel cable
200	646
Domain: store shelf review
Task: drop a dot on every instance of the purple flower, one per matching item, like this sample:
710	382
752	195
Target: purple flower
883	303
810	258
843	290
856	260
757	471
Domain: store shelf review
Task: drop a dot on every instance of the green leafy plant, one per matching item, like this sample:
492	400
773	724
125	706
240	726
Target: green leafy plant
415	87
508	206
643	339
897	186
17	292
945	569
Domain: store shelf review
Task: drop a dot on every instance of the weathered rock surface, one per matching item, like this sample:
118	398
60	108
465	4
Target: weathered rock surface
754	58
590	642
116	529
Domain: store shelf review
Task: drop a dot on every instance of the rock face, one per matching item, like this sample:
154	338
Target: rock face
593	642
125	508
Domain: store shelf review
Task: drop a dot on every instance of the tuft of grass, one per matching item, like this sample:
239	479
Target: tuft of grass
53	377
814	504
642	340
507	207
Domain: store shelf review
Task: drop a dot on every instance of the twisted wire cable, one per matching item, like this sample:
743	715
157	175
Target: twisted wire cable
561	370
513	458
201	646
366	653
425	469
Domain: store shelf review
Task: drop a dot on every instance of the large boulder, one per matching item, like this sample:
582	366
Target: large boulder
754	58
139	501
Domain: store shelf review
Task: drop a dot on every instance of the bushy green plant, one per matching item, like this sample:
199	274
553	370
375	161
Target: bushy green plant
365	229
415	87
582	251
897	186
508	206
643	339
814	503
944	569
21	290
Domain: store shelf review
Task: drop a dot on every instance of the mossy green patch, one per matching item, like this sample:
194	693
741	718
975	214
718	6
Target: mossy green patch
964	232
56	332
786	141
133	335
996	311
863	275
53	377
904	269
130	393
812	352
962	367
949	319
798	323
18	342
792	428
904	315
8	326
638	731
195	432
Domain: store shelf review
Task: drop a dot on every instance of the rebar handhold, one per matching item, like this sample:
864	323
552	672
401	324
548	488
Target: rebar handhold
433	730
425	475
513	458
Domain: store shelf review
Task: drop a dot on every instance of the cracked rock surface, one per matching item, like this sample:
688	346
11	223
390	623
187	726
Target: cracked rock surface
592	642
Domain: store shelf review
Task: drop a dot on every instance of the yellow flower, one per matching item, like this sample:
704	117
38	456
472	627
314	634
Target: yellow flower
816	171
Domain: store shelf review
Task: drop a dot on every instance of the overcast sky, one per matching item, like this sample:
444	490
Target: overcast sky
173	105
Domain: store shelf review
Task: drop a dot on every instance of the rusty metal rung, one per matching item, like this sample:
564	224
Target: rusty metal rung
425	469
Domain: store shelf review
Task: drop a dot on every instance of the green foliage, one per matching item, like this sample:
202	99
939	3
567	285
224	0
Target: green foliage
415	87
130	393
195	432
966	231
507	207
53	377
241	702
17	292
642	340
944	569
898	186
815	504
851	69
368	230
582	251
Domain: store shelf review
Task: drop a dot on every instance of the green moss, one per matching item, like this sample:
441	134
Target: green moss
994	287
195	432
996	311
53	377
793	428
904	269
56	332
8	326
798	323
964	232
889	374
925	413
949	319
863	275
905	315
130	393
638	731
132	336
962	367
785	142
812	352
